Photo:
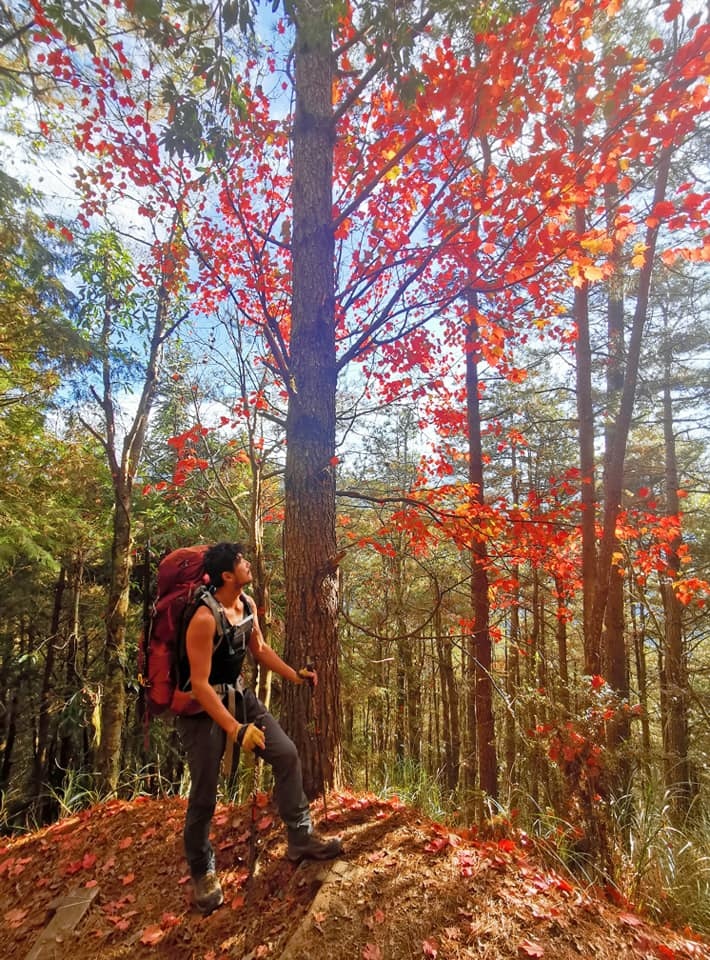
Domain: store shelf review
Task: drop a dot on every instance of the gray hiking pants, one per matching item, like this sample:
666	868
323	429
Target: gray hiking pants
204	742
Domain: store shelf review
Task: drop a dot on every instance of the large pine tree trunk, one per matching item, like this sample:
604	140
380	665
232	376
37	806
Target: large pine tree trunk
309	533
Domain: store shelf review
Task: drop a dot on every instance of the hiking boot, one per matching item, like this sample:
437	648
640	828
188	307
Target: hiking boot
304	844
207	892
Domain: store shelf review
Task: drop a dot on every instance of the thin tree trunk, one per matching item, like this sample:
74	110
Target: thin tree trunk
674	678
39	761
399	710
114	689
585	427
616	456
481	644
561	638
123	472
639	635
68	748
512	665
615	658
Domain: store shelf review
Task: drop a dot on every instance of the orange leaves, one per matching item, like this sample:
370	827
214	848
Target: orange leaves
86	863
155	932
152	935
584	271
692	590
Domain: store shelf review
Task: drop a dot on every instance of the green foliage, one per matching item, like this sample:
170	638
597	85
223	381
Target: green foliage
666	864
414	786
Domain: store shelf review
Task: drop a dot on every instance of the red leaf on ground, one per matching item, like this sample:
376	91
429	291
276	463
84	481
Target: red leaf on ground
152	934
436	845
238	902
563	885
265	823
530	948
129	878
371	952
88	860
630	919
125	843
665	953
379	916
430	948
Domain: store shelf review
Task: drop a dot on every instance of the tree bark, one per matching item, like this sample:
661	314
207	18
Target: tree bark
309	531
585	428
674	678
123	471
481	643
616	455
113	706
615	656
68	746
39	761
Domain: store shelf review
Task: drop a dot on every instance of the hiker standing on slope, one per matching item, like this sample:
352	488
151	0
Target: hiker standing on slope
213	674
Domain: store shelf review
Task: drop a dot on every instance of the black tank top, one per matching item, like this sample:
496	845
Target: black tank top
228	655
228	652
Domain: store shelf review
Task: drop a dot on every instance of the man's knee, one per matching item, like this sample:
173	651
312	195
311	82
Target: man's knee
286	756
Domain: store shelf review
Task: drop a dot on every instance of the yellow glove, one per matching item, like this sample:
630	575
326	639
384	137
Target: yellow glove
308	675
249	737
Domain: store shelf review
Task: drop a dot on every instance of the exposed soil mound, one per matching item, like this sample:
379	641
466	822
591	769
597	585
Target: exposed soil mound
405	888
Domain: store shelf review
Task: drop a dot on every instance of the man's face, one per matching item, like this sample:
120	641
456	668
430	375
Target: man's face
242	570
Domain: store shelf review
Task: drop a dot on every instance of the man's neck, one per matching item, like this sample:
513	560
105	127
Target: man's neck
227	595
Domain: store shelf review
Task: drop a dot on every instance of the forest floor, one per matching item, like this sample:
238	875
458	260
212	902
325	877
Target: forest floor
405	887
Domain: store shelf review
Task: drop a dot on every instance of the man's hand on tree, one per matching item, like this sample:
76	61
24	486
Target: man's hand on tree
308	675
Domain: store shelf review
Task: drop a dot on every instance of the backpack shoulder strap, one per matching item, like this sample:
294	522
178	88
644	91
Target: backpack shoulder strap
204	596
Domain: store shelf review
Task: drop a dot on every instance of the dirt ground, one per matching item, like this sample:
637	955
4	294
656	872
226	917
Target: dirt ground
405	887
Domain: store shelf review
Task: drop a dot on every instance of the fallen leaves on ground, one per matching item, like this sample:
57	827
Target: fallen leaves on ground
407	888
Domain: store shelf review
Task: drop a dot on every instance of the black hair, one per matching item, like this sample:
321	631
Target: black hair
219	558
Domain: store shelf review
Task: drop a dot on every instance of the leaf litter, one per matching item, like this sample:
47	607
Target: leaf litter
406	887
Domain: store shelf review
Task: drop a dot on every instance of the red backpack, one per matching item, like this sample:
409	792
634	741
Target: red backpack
182	587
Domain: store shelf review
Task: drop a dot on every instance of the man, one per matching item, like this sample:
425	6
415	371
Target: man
210	669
